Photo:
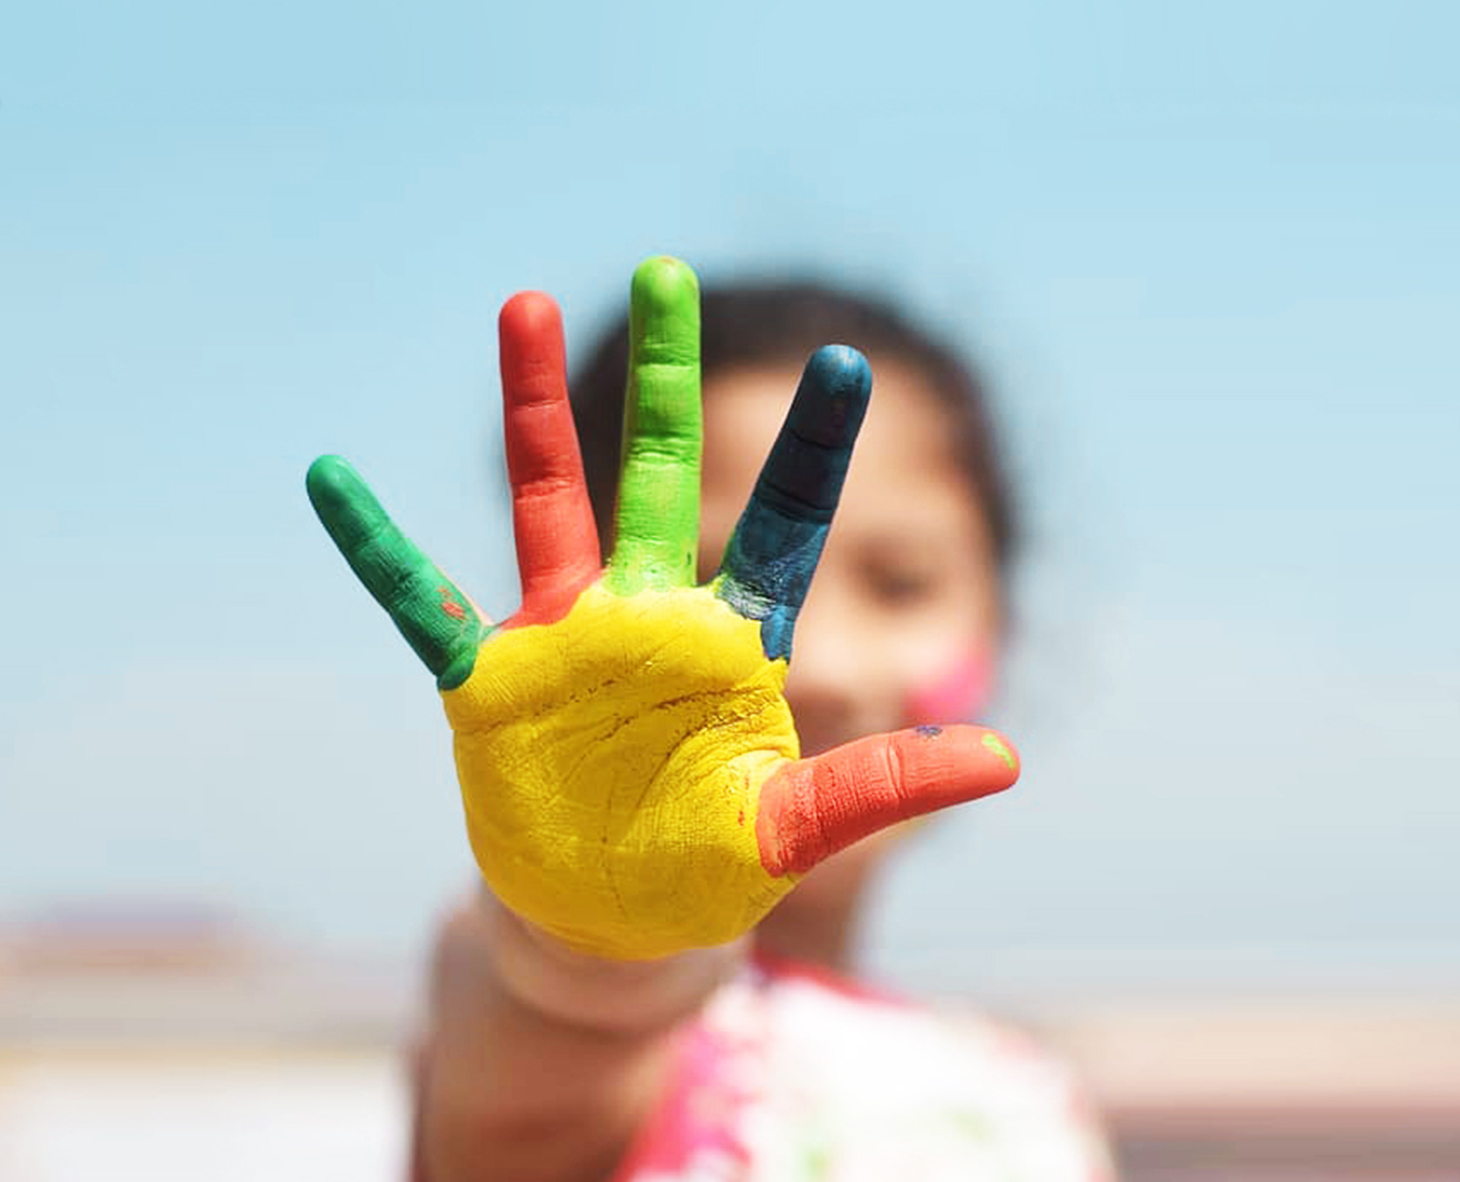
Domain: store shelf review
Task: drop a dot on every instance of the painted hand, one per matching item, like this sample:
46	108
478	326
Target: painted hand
628	764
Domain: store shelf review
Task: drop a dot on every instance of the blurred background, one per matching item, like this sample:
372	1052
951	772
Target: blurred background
1209	259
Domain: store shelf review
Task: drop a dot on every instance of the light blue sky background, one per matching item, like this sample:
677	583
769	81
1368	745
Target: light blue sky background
1210	256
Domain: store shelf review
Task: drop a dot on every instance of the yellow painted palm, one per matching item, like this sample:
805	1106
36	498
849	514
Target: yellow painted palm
628	764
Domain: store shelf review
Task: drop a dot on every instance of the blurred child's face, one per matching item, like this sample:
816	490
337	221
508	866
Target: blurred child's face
906	595
905	600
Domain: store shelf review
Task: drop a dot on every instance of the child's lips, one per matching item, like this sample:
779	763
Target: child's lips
818	741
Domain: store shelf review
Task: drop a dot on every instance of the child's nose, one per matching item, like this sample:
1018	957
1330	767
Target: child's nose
829	683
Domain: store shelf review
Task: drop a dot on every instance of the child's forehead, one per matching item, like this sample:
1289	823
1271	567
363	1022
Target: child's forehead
908	429
904	490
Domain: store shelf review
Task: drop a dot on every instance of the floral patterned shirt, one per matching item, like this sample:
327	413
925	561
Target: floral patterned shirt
793	1075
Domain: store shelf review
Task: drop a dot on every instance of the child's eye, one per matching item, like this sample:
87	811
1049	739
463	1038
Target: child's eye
900	586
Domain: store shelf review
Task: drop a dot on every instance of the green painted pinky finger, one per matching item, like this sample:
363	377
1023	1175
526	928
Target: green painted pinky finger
436	619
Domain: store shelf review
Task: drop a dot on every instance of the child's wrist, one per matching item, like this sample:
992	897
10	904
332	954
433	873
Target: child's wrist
540	973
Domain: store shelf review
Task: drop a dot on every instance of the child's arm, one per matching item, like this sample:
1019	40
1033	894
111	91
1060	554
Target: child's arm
628	764
539	1064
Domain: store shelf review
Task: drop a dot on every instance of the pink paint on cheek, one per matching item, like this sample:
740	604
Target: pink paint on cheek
958	695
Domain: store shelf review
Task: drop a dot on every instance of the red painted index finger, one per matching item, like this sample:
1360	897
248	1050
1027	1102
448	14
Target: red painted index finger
552	519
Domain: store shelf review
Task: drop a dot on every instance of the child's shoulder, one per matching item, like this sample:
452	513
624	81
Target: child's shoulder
857	1039
793	1073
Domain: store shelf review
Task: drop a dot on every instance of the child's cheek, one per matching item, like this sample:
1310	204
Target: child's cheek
959	694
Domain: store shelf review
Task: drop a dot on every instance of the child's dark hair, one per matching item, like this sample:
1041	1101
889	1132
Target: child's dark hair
754	326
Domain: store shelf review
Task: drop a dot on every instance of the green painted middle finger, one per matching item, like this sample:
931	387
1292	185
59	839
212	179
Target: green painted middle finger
657	520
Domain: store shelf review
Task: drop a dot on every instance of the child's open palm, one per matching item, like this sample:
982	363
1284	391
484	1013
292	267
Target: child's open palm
628	763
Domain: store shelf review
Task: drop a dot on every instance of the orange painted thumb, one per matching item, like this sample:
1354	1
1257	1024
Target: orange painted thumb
812	808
